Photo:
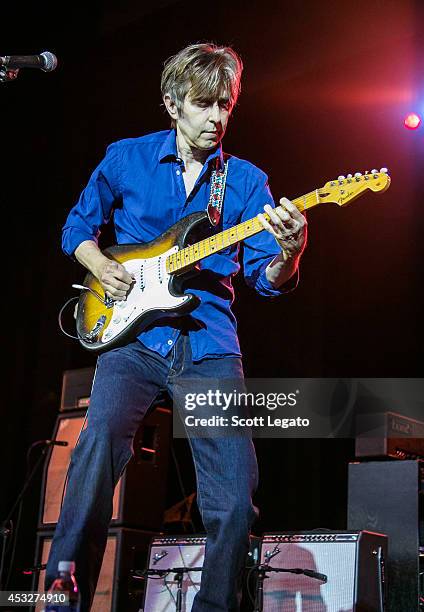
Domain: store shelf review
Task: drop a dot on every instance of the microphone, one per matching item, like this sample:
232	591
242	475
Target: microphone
55	443
316	575
46	61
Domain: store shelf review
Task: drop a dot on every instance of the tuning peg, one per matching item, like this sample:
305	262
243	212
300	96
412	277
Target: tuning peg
384	170
357	176
374	171
349	176
341	178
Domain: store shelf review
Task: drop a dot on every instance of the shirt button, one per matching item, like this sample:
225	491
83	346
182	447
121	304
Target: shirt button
178	172
169	342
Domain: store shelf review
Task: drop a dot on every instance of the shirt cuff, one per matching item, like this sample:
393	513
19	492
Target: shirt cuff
264	287
73	238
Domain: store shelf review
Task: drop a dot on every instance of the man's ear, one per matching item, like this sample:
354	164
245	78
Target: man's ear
170	106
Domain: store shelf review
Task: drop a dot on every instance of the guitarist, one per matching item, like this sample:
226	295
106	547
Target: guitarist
147	184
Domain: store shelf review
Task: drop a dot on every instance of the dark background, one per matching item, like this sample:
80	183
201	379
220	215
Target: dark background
325	89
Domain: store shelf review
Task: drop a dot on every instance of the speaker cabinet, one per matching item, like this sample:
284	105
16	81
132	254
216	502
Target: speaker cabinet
353	563
168	552
76	388
146	472
389	435
387	496
126	549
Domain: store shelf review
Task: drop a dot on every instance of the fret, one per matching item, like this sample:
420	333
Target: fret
213	244
241	232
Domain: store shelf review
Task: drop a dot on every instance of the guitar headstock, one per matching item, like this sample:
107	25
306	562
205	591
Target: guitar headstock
345	189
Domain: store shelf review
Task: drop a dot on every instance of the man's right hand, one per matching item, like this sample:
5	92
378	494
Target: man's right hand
112	276
114	279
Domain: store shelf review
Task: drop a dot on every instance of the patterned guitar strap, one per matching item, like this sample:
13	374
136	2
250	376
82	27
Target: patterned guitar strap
216	198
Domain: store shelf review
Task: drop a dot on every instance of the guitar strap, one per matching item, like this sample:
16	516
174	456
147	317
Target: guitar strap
216	198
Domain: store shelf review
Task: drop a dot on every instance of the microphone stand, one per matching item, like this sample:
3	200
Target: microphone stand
5	529
179	600
179	576
264	568
259	598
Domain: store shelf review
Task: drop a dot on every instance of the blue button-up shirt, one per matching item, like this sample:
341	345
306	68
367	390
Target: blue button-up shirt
140	183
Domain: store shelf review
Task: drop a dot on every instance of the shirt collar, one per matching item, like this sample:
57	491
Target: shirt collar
169	150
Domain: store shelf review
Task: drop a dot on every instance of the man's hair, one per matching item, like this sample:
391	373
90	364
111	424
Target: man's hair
210	72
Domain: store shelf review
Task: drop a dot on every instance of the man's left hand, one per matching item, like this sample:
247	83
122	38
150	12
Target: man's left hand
288	226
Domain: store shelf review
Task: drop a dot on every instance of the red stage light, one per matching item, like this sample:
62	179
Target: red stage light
412	121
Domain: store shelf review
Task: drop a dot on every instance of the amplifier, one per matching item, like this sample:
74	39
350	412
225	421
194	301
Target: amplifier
389	434
179	552
387	496
76	388
140	495
115	591
353	563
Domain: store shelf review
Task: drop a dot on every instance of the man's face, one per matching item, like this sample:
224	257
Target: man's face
202	123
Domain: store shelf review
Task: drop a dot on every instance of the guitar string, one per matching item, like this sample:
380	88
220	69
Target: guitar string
304	204
234	228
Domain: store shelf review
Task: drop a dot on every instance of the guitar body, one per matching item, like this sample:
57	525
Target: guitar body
154	294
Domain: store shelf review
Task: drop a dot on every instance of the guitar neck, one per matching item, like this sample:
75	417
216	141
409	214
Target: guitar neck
196	252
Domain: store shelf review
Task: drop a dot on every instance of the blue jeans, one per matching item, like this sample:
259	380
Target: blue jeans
127	381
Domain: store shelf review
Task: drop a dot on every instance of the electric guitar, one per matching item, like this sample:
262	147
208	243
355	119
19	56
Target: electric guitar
160	266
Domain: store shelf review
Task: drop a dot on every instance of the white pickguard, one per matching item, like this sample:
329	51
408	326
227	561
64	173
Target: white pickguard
149	292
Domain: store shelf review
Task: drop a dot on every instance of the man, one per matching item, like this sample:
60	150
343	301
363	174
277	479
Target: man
148	184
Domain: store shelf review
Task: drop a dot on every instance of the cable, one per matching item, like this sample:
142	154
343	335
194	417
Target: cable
8	532
249	575
188	573
59	318
18	504
15	529
14	540
168	589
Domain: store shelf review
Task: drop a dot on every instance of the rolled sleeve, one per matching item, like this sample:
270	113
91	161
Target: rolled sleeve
264	287
259	250
95	205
